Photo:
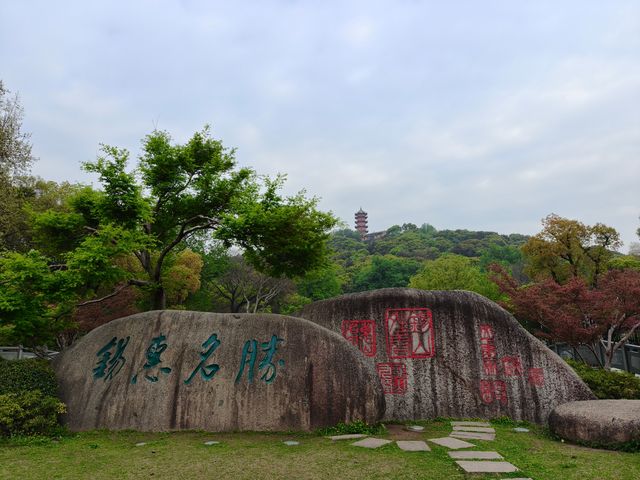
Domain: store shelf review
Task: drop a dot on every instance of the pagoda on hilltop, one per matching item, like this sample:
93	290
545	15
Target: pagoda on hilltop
362	223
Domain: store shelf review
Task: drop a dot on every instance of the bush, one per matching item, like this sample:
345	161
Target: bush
19	376
355	427
29	413
608	384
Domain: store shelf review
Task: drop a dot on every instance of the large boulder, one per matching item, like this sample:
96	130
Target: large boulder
605	423
450	354
177	370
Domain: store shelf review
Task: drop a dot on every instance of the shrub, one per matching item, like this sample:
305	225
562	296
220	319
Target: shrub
354	427
29	413
608	384
18	376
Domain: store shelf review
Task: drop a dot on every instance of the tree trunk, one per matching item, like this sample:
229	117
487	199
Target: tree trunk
159	299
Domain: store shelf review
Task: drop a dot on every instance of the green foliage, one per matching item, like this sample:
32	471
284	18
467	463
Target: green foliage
384	272
29	413
623	262
358	426
606	383
321	283
293	303
19	376
455	272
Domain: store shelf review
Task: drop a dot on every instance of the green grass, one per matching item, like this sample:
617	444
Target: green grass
182	455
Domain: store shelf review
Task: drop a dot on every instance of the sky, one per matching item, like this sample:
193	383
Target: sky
481	115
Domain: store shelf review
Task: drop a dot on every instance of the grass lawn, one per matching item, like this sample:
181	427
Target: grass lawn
183	455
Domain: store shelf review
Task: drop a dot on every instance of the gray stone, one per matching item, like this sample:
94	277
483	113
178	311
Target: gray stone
462	428
311	378
602	422
371	443
473	455
413	446
473	435
521	430
415	428
438	371
211	442
291	443
351	436
486	467
452	443
471	424
140	444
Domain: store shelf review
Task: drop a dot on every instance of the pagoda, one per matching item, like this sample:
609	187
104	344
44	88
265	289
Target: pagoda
361	223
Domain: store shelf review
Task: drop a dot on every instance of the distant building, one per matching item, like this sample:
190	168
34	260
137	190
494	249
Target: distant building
362	226
362	223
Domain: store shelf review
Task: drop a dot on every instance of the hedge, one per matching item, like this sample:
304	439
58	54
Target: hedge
608	384
18	376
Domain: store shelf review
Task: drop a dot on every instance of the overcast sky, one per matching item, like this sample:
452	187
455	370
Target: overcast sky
484	115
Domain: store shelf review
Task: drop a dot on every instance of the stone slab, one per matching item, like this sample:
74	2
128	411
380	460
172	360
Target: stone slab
464	428
211	442
521	430
351	436
371	443
474	455
473	435
486	467
415	428
470	424
291	443
413	446
452	443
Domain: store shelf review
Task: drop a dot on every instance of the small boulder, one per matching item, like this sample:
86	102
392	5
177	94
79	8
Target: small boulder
605	423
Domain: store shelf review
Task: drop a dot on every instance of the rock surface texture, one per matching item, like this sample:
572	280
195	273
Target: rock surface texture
176	370
598	422
450	354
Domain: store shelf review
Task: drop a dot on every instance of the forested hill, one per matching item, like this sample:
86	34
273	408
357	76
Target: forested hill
422	243
403	250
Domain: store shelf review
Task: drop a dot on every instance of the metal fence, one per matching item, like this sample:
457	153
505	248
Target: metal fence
16	353
625	358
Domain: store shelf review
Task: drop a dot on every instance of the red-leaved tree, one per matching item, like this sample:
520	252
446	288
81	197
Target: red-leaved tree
573	312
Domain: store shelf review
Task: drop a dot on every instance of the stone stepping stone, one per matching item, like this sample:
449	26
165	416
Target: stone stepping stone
351	436
371	443
413	446
486	467
211	442
141	444
464	428
452	443
415	428
471	455
521	430
472	424
473	435
290	443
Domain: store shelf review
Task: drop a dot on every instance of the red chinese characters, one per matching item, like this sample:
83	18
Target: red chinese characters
488	350
512	366
536	377
362	334
409	333
493	390
393	377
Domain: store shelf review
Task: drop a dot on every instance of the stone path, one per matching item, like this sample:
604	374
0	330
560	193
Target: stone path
478	461
471	461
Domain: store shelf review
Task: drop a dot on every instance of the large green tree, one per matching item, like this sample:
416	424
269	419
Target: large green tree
181	191
455	272
567	249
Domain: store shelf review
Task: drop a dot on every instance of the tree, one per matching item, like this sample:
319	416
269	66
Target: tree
15	159
454	272
576	313
181	191
246	289
384	272
566	249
